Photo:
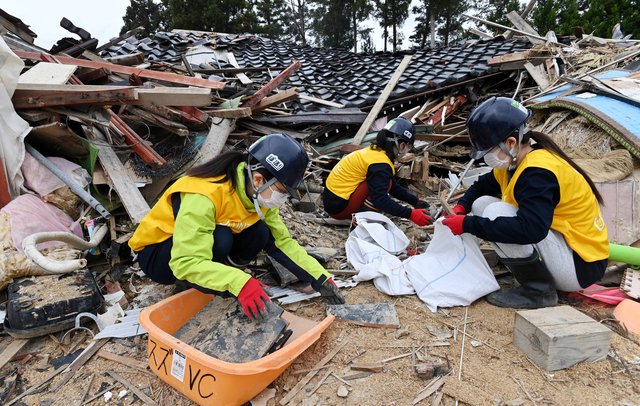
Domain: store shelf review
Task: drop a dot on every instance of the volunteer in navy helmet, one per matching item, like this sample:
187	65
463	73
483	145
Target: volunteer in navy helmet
365	179
538	208
210	224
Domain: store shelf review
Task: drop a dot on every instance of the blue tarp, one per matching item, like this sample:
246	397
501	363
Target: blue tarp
619	119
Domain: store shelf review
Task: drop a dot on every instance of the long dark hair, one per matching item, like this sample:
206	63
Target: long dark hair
547	143
382	142
225	165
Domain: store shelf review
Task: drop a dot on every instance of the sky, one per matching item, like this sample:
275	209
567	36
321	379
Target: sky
103	19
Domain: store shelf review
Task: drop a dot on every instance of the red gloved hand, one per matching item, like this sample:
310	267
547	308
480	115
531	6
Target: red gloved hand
454	222
252	298
421	217
459	209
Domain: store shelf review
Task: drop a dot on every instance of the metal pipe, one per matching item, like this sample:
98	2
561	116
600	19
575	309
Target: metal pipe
75	188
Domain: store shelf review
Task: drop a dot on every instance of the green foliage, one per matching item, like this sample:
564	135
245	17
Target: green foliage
331	25
422	30
227	16
545	16
569	17
450	19
146	13
273	17
299	21
497	11
391	14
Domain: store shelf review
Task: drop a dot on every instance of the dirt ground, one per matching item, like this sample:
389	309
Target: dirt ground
490	371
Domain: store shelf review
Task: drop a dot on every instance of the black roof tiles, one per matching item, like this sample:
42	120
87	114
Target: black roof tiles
358	78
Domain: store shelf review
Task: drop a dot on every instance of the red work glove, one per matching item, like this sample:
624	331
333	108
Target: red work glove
459	209
421	217
454	222
252	298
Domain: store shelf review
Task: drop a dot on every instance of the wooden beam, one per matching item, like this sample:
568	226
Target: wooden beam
132	200
48	73
272	85
320	101
143	73
140	394
512	57
538	74
281	97
215	141
373	114
67	95
244	79
237	112
126	361
522	25
173	127
174	96
144	151
525	13
481	34
24	33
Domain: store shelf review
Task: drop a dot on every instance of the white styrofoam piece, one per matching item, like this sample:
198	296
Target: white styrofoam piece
287	295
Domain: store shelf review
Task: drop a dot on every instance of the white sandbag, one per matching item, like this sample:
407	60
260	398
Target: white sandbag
379	229
373	262
451	272
370	250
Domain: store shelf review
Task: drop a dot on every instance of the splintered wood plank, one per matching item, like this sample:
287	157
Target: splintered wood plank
522	25
132	200
368	314
278	98
11	350
373	113
559	337
48	73
538	74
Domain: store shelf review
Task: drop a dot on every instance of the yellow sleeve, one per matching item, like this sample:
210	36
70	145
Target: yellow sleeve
192	252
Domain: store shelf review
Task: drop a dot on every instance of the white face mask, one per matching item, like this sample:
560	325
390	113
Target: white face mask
277	199
492	160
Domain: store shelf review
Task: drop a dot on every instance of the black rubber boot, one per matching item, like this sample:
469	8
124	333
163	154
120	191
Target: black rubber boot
536	288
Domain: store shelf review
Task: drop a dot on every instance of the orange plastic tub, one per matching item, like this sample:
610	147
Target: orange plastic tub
207	380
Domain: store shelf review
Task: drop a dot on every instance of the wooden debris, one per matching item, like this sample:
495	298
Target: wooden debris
11	350
367	366
278	98
127	361
272	85
382	99
47	73
522	25
143	73
304	381
433	386
140	394
559	337
428	370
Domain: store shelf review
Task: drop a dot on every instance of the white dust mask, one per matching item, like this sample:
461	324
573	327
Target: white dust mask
277	199
492	160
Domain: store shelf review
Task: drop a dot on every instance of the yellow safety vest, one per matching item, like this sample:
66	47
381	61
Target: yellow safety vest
157	225
577	216
351	171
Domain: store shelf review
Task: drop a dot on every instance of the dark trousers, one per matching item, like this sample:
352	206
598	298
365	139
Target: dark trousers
228	248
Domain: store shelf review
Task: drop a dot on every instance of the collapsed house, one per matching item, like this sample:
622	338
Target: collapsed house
118	123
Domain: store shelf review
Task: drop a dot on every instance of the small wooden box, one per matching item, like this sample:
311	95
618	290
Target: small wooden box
559	337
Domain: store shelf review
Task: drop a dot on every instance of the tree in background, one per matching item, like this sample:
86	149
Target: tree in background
273	18
450	19
568	17
422	30
497	10
230	16
602	15
145	13
299	20
367	44
392	14
331	25
359	11
545	16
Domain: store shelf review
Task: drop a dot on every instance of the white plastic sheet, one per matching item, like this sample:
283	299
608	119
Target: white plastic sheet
371	249
451	272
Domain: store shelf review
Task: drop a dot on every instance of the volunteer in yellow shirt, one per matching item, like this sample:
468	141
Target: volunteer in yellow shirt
213	222
364	179
537	207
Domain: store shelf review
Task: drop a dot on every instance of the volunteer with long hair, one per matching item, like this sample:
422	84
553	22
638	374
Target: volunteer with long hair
364	179
213	222
538	208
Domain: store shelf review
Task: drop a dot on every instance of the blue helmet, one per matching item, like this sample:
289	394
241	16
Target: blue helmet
493	121
283	157
402	129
